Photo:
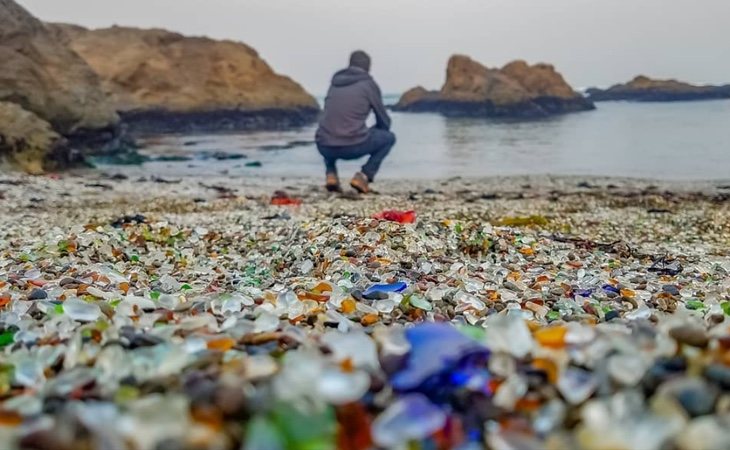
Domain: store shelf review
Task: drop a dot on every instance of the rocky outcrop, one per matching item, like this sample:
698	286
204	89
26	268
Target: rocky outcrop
540	80
25	139
161	81
64	86
48	94
47	78
518	90
645	89
415	95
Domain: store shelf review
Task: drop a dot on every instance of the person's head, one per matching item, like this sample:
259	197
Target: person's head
360	59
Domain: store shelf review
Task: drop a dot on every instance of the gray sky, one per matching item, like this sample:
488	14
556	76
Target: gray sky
592	42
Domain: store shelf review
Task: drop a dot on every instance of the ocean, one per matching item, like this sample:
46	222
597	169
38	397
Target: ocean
670	141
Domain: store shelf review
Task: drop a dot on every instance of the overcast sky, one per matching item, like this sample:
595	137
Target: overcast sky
592	42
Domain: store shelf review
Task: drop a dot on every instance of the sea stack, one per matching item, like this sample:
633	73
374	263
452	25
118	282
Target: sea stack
518	90
162	82
51	101
645	89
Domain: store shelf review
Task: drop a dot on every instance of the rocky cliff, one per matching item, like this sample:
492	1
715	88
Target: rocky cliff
63	88
54	89
645	89
162	81
518	90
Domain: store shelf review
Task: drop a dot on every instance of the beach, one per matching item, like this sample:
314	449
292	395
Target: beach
516	312
536	255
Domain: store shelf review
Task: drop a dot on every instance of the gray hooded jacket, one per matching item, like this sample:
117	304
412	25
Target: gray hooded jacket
351	97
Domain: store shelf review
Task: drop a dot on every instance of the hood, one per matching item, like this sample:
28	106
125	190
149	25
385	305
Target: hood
351	75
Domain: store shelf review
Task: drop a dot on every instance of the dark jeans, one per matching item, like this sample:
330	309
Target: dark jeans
377	145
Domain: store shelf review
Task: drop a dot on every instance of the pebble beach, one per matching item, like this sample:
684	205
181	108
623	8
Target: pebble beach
148	313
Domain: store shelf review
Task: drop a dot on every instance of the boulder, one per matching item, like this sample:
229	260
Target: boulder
161	81
26	140
49	95
516	91
645	89
415	98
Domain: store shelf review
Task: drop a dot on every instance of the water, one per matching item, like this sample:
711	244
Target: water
682	141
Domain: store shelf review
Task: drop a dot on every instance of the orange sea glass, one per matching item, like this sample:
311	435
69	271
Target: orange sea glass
222	344
348	306
553	337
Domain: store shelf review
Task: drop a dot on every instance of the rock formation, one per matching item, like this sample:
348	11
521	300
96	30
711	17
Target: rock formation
161	81
55	91
645	89
67	87
25	139
518	90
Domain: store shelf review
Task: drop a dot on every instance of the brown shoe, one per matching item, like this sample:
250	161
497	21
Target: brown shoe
333	183
360	183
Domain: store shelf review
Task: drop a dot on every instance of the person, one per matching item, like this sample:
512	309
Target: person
343	132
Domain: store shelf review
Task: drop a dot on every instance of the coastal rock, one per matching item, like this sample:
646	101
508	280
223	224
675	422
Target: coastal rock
47	78
56	92
162	81
645	89
518	90
539	79
25	139
467	80
416	94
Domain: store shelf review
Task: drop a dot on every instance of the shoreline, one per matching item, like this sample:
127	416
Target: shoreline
504	183
120	180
